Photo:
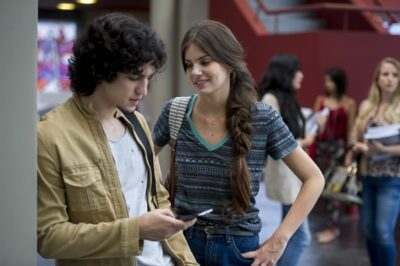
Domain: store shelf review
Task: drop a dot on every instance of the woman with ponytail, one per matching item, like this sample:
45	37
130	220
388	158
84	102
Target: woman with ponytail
221	149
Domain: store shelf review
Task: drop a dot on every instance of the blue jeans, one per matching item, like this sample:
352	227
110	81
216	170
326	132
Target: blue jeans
220	250
297	243
379	212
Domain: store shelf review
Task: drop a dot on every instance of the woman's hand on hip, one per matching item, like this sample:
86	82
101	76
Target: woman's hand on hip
268	254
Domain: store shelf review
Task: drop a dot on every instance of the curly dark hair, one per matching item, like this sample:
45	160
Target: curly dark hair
111	44
277	80
217	41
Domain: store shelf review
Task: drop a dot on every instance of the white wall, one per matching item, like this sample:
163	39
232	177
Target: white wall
18	21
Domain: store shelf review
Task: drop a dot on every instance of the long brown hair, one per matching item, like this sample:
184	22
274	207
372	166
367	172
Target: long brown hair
217	41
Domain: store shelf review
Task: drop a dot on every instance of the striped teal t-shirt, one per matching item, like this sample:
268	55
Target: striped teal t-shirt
202	170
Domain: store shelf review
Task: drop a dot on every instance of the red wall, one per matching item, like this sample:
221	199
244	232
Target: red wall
335	20
357	52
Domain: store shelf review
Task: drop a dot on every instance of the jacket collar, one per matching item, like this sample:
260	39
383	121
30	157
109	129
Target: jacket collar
86	107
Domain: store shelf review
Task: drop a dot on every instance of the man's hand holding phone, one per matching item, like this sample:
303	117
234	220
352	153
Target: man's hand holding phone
157	225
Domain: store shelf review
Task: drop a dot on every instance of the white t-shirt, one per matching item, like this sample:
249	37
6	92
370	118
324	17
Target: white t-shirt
133	177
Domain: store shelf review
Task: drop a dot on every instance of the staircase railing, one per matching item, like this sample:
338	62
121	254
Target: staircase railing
391	16
346	9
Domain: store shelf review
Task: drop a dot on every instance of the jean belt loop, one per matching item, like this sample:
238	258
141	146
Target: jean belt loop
227	234
189	232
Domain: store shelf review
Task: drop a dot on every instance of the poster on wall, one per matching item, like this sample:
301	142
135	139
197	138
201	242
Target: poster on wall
54	48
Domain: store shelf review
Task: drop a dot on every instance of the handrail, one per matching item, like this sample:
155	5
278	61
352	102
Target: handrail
323	6
392	17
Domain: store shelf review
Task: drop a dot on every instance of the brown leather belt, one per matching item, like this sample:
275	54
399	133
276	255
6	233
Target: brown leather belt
222	230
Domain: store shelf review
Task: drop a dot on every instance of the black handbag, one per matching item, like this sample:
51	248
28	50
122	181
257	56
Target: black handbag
328	151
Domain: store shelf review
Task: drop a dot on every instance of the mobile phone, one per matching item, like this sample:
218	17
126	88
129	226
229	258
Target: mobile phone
190	214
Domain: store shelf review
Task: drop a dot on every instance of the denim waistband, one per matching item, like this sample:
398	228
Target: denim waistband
210	229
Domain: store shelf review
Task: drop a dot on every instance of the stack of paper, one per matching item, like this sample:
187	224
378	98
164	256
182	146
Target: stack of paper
312	123
387	135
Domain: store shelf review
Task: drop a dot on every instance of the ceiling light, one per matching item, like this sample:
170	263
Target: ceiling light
86	2
66	6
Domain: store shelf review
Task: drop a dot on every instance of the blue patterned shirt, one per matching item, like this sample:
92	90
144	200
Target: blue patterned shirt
202	169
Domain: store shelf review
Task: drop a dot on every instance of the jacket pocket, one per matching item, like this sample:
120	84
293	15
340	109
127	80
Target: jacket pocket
84	188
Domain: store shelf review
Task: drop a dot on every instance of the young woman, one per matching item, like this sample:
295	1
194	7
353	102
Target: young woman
221	151
278	87
335	128
333	137
381	177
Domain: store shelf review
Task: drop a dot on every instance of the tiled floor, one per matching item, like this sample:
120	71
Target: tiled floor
348	249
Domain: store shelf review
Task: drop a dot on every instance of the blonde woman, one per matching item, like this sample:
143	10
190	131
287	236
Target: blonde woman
381	177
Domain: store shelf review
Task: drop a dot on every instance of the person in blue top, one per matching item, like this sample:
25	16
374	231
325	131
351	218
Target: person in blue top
222	146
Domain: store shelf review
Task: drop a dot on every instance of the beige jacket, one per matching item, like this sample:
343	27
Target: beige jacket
81	211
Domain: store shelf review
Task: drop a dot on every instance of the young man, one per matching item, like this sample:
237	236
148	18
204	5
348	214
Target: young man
98	201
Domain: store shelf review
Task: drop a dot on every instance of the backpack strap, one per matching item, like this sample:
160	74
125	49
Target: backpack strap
176	115
149	151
